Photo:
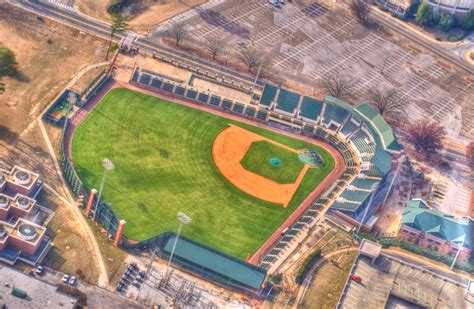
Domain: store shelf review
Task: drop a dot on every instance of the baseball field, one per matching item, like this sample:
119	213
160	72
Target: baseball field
169	157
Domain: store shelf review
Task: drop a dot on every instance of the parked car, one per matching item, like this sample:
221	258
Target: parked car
39	270
72	281
66	278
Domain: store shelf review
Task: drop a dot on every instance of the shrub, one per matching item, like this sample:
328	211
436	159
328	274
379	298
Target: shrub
446	22
468	21
424	14
308	262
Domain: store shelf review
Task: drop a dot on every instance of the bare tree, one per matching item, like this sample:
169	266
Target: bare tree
386	102
426	136
470	156
215	46
253	58
178	33
338	85
360	9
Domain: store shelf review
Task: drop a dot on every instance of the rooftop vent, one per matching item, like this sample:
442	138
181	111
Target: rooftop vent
22	178
23	202
27	231
3	201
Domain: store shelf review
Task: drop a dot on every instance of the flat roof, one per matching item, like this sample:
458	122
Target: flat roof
219	263
39	293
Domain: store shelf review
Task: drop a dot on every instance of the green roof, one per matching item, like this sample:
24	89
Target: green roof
417	215
226	266
338	102
380	125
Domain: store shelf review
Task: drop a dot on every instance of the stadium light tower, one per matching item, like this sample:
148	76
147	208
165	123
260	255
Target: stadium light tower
108	166
183	220
373	188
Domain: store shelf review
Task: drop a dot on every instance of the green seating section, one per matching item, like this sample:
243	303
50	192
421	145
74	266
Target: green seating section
360	140
310	108
364	183
349	127
334	113
287	101
268	95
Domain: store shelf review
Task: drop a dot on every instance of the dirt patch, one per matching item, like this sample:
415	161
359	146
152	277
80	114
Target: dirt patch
228	150
154	15
161	12
70	253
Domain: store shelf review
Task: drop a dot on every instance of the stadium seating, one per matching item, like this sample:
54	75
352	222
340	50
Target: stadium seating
227	104
268	95
191	94
364	183
179	90
287	101
309	129
360	141
135	76
345	206
156	82
355	195
145	79
373	172
310	108
238	108
168	87
215	100
250	111
203	97
349	127
334	113
262	115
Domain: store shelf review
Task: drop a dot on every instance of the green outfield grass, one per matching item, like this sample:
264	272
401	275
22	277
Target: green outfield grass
162	153
257	160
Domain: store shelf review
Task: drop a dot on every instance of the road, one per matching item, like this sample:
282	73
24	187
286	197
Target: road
102	29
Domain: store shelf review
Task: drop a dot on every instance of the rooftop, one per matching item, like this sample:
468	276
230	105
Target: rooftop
417	215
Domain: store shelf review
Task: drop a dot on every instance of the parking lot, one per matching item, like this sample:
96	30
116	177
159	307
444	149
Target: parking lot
309	40
391	280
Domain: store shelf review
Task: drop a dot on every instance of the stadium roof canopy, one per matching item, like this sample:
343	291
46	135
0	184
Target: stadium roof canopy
381	127
216	262
417	215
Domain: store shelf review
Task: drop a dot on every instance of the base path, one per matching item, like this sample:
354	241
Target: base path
229	149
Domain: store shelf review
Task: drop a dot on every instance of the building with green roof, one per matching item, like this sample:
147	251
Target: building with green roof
214	265
435	230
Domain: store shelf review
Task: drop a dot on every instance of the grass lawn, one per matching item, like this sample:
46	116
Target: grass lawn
162	153
257	160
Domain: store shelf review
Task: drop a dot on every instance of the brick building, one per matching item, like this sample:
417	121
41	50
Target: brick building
430	228
22	232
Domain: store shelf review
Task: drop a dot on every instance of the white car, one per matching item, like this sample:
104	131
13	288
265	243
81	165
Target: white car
72	281
39	270
66	278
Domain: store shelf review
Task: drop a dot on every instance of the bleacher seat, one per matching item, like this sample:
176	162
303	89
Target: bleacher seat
145	79
373	171
156	82
348	128
179	90
334	113
364	183
345	206
203	97
238	108
226	104
268	95
168	87
215	100
355	195
135	76
359	139
287	101
250	111
310	108
191	94
262	115
309	129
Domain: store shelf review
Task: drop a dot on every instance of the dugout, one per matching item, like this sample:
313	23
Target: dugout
214	265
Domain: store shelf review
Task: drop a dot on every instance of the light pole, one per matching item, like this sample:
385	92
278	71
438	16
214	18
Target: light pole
373	188
71	101
457	254
183	220
108	166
